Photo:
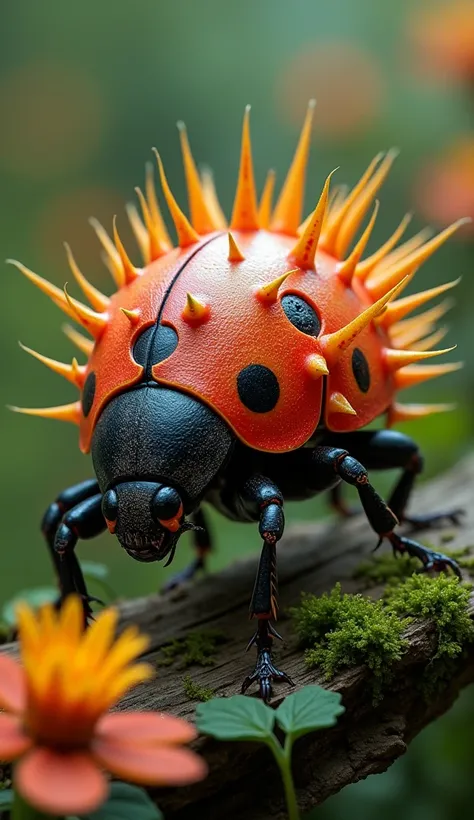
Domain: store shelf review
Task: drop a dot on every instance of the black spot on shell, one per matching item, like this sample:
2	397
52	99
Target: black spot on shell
154	344
88	393
258	388
301	314
360	369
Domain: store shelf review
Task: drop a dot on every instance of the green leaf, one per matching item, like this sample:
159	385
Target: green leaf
91	569
126	802
235	718
309	709
34	597
6	799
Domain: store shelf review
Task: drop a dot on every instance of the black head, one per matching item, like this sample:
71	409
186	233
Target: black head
147	518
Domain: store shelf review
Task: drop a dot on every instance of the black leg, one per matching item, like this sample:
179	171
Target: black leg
338	503
202	545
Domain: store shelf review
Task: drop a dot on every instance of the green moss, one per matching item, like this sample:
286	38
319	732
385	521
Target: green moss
196	648
341	630
196	692
386	569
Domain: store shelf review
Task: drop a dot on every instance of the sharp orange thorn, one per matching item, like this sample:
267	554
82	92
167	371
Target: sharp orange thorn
201	218
54	293
416	374
356	213
133	316
72	372
85	345
139	231
430	341
418	326
304	252
316	366
210	195
155	210
245	212
288	210
235	254
269	292
348	267
155	247
402	307
184	230
129	270
368	265
112	257
395	358
195	312
334	344
377	283
93	322
265	206
331	230
97	299
338	403
64	412
404	249
407	412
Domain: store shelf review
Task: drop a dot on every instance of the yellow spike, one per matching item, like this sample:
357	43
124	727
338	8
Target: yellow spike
265	206
54	293
395	359
430	341
74	373
93	322
235	254
245	214
347	269
85	345
329	236
304	252
404	249
367	266
334	344
402	307
339	404
97	299
269	292
201	218
408	412
378	282
158	222
112	258
156	249
210	195
410	330
129	271
288	210
64	412
133	316
416	374
195	312
139	231
316	366
185	232
362	204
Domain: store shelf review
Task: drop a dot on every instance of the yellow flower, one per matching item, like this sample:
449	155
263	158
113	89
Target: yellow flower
58	722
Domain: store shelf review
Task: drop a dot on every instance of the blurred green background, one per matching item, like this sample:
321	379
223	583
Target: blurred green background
87	89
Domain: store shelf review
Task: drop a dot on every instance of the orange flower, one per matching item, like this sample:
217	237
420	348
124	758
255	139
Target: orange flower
58	722
443	38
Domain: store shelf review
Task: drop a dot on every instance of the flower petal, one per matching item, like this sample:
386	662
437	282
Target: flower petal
145	728
13	741
58	784
12	685
149	765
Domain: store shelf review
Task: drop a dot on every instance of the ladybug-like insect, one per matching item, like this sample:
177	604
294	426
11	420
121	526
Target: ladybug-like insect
238	369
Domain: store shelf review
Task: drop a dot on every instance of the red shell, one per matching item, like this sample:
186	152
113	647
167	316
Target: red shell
243	330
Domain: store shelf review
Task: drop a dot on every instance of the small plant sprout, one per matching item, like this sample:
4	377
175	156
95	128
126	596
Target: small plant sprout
243	718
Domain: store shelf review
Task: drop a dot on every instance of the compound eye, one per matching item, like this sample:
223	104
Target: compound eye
167	508
301	314
110	509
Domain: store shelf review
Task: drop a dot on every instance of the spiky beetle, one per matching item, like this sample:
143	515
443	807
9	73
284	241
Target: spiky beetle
238	368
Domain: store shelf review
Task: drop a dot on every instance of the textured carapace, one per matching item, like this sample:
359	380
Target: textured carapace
276	325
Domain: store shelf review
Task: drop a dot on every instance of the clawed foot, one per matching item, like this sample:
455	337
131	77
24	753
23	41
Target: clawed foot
265	672
87	600
428	557
427	520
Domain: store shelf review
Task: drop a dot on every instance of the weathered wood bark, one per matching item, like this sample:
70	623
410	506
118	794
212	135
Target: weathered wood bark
243	780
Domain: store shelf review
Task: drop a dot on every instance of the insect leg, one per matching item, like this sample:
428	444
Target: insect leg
202	545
